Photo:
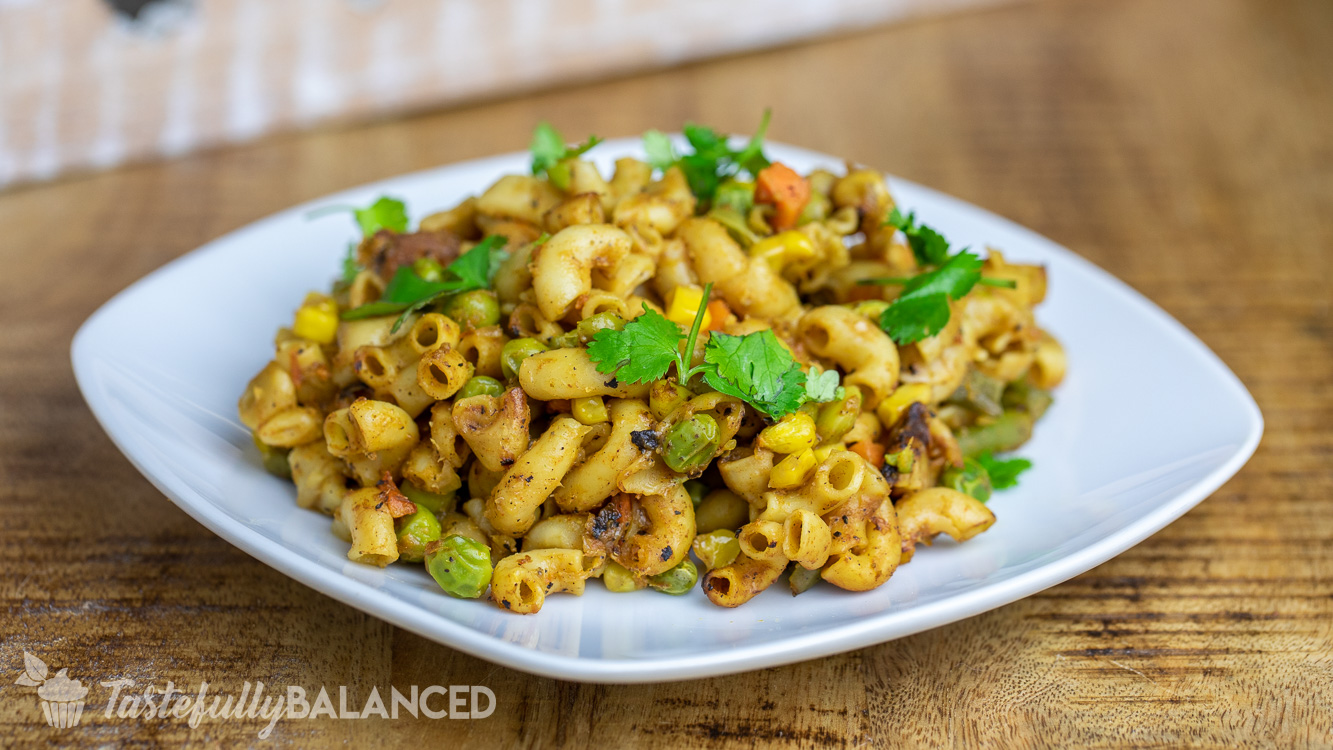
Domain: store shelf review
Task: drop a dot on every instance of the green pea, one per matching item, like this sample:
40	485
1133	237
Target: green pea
690	443
801	579
734	195
618	579
275	459
435	502
679	580
475	309
836	418
697	490
589	326
972	479
816	209
480	386
460	565
415	532
514	352
275	463
566	340
428	269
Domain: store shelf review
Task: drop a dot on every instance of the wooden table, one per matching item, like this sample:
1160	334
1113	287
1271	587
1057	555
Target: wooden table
1186	146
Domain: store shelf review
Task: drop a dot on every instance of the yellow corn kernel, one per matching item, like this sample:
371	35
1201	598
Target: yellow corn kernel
589	410
891	409
793	434
793	470
317	321
783	248
824	451
684	304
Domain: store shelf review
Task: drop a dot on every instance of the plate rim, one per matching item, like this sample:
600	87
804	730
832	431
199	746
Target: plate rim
854	634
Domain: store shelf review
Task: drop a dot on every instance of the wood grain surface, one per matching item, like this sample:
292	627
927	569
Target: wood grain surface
1185	146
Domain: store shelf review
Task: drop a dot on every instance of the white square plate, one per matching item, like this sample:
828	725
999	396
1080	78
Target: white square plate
1148	423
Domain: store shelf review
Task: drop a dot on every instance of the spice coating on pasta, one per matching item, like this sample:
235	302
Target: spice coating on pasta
701	371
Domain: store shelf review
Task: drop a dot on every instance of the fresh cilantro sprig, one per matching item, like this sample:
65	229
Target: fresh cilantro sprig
646	347
712	159
407	292
1003	473
755	368
929	246
922	310
640	352
549	149
385	213
822	385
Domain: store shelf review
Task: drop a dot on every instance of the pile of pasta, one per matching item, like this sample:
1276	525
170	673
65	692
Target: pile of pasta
539	471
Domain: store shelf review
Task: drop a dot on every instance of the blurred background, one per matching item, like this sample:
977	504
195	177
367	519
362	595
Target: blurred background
89	84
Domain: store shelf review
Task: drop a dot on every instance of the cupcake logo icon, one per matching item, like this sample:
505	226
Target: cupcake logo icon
62	697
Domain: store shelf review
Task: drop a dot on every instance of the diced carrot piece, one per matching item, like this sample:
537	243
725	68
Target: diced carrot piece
787	191
871	451
718	314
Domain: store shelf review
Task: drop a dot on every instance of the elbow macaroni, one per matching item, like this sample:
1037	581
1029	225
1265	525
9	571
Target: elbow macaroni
548	455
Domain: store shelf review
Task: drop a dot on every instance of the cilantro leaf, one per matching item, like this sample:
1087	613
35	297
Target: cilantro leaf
755	368
922	310
407	292
548	147
1003	473
701	172
407	287
751	158
713	158
911	319
473	268
955	277
706	141
385	213
822	385
583	148
661	154
929	246
642	351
